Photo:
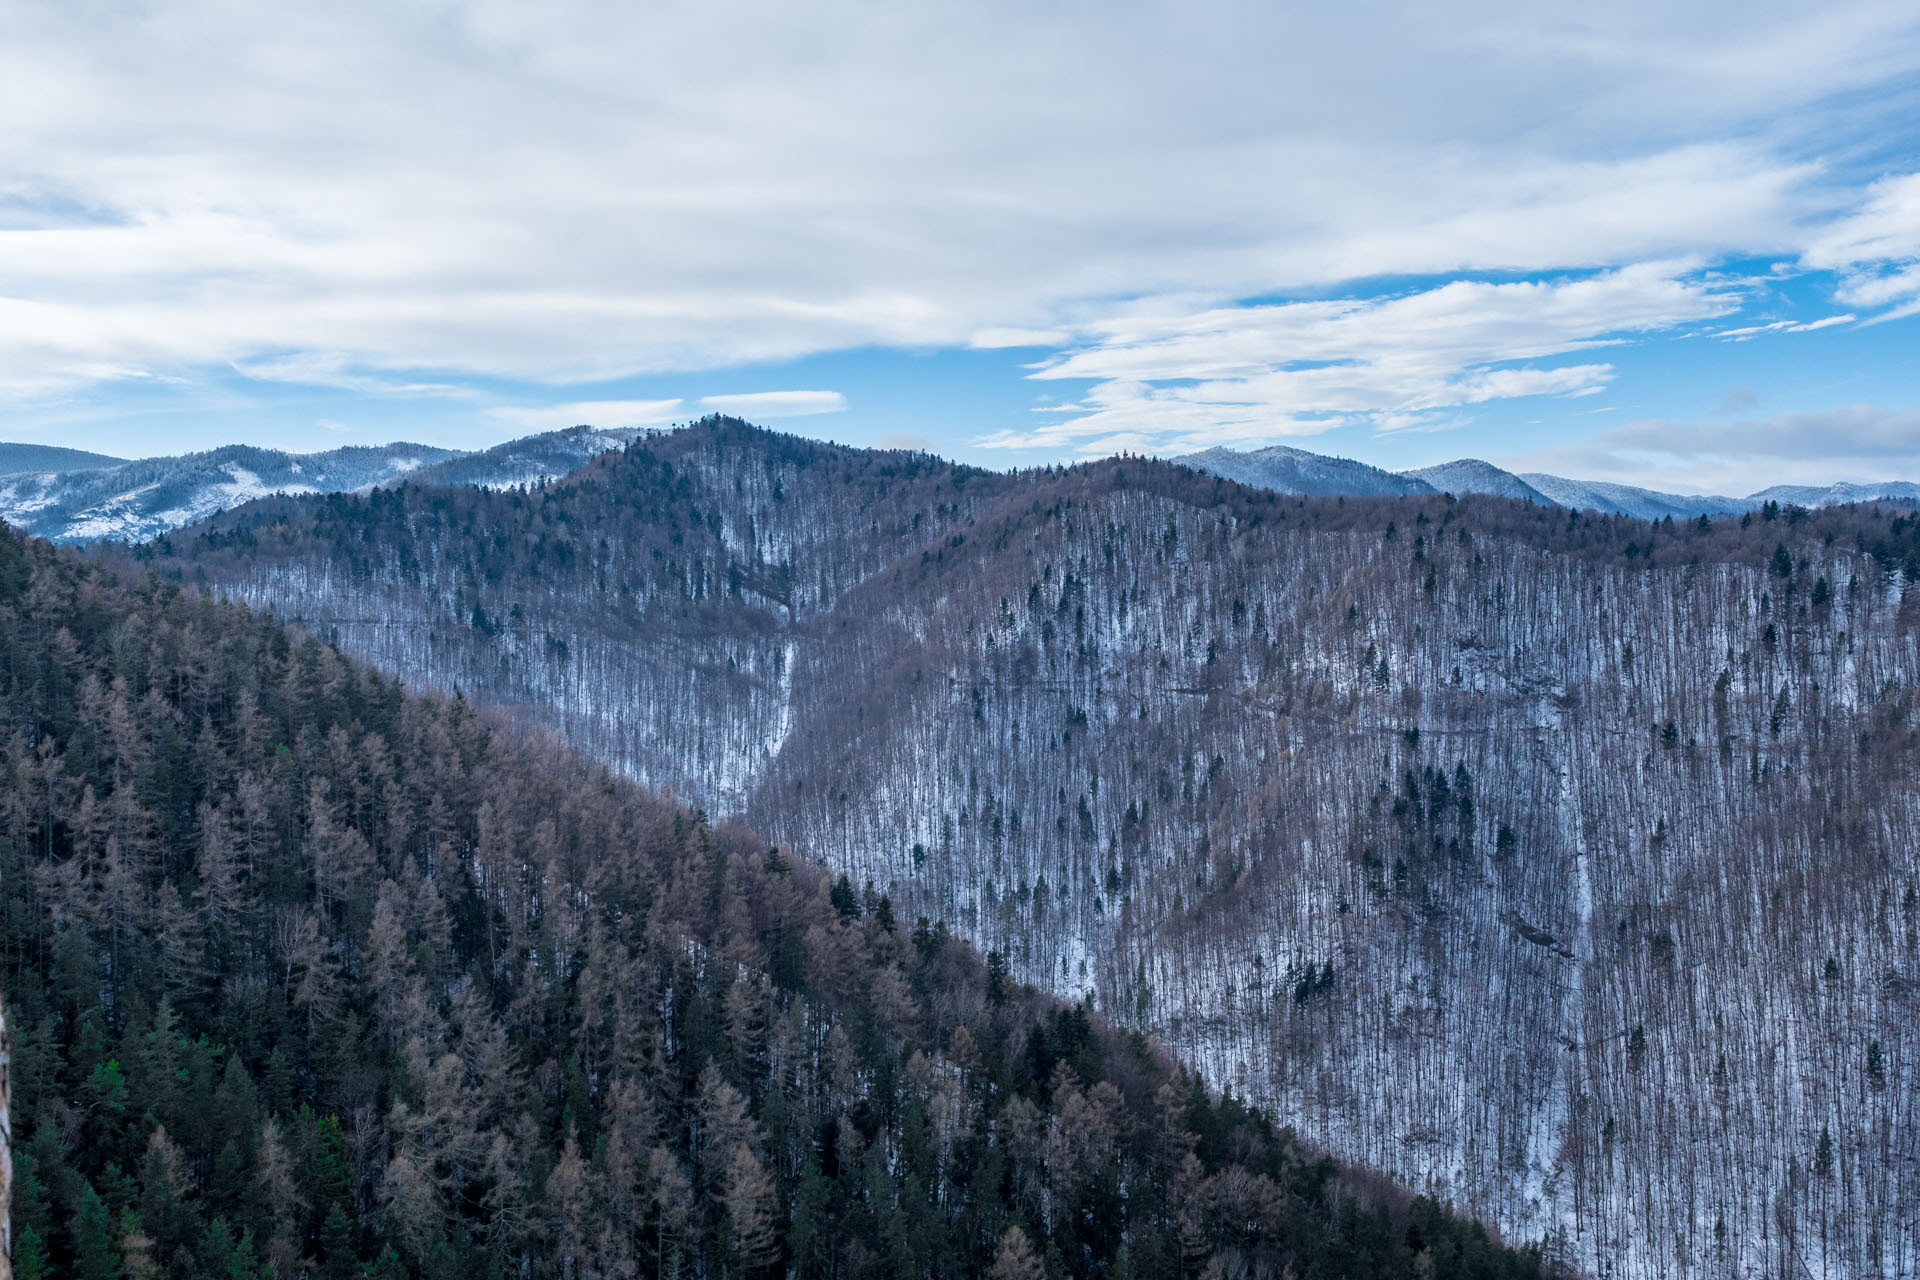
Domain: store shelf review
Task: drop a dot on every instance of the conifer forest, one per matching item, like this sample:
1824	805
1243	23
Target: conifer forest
308	975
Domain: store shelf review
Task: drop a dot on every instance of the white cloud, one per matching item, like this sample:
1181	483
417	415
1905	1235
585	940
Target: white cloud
1745	332
335	369
999	338
1876	249
590	413
368	191
776	404
1859	443
1885	228
1237	375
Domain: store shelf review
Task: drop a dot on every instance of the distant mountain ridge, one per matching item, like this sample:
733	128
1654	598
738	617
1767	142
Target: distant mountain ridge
17	458
138	500
1626	499
67	495
1471	475
530	459
1807	495
1299	473
70	495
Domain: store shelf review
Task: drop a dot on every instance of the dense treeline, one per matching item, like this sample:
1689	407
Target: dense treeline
645	515
801	523
310	976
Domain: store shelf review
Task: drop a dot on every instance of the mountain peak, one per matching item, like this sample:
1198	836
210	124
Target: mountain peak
1285	469
1471	475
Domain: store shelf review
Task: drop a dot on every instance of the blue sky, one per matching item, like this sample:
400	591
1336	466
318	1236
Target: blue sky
1680	249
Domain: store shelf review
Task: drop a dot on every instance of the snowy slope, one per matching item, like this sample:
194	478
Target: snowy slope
137	500
69	495
131	501
1471	475
530	459
1809	495
1295	471
1625	499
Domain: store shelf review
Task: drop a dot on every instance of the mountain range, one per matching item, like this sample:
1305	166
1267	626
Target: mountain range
68	495
1564	866
1295	471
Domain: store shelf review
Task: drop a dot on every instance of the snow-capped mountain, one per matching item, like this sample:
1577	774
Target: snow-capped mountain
530	459
1471	475
1808	495
69	495
1295	471
142	499
1627	500
88	497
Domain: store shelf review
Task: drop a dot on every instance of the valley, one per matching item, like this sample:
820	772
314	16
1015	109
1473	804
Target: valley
310	976
1563	866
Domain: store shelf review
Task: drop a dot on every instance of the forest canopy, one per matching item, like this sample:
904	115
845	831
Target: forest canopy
307	974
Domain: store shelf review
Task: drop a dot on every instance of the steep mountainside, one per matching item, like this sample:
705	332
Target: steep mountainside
1295	471
310	977
672	576
1566	866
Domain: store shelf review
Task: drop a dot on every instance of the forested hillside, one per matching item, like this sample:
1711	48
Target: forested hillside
309	976
1566	867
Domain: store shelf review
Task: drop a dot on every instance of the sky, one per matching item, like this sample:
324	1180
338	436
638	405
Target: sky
1675	245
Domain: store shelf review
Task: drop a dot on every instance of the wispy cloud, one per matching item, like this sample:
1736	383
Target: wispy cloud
1235	375
589	413
1876	250
776	404
339	371
1858	443
1744	332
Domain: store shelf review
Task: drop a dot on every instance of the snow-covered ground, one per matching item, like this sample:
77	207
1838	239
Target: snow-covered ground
134	501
